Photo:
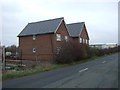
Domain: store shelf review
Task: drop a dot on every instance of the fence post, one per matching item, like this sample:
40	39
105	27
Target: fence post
3	58
36	58
21	56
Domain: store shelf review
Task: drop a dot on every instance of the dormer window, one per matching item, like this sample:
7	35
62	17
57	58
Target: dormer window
34	37
58	37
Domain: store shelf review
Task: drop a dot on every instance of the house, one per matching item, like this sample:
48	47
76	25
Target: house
111	45
98	46
103	45
42	40
78	32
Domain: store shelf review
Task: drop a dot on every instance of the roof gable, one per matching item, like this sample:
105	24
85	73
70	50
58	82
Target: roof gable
84	30
75	29
42	27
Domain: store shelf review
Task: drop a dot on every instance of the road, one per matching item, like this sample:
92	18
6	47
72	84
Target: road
99	73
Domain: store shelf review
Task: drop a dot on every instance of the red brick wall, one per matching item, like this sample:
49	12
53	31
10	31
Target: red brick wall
83	35
63	31
42	44
46	44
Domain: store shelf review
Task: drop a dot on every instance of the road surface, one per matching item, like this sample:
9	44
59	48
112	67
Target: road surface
99	73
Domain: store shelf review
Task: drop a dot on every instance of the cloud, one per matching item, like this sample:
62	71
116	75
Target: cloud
0	25
100	17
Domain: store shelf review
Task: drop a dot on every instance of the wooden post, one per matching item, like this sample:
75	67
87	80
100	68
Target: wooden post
36	57
3	58
21	56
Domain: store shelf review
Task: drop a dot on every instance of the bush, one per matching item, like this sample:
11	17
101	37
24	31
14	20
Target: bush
101	52
71	52
66	54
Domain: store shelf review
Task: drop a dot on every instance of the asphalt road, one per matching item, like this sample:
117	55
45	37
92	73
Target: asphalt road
99	73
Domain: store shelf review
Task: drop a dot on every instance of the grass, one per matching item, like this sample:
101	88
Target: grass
16	74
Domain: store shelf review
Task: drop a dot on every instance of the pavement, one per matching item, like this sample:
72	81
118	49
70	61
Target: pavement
99	73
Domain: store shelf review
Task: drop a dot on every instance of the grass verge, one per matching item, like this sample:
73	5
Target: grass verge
16	74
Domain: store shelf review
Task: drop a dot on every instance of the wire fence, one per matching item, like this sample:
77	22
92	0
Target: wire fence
10	60
14	61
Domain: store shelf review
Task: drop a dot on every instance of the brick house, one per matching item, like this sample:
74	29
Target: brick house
42	40
78	32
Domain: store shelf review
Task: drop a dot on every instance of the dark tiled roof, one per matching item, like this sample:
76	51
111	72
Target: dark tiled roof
42	27
75	29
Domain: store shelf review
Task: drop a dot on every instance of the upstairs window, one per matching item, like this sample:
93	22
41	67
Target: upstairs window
58	37
80	40
66	38
34	37
34	50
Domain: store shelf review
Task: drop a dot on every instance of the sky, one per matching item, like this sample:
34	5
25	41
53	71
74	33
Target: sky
100	17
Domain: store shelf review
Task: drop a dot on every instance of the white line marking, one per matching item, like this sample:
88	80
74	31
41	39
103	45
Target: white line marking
103	61
83	70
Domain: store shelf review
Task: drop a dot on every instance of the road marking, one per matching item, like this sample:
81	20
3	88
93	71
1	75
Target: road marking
83	70
103	61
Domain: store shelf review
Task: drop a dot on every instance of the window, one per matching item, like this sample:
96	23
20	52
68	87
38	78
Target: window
87	41
58	50
80	40
84	40
58	37
34	50
66	38
34	37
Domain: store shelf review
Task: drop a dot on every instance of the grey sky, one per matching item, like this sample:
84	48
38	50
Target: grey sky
119	22
100	16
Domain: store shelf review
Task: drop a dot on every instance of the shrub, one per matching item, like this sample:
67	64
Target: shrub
71	52
101	52
66	54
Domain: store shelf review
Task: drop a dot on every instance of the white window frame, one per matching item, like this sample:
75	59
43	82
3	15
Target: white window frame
58	37
80	40
83	40
34	50
34	37
86	41
58	50
66	38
